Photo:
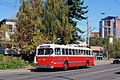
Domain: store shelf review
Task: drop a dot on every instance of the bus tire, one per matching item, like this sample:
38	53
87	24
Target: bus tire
87	64
65	66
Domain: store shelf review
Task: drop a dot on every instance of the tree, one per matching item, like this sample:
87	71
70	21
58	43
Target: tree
114	49
76	11
41	22
29	27
56	20
96	41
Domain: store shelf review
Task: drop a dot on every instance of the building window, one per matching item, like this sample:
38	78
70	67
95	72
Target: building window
108	23
109	31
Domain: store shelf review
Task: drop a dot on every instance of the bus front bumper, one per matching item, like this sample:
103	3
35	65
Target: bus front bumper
45	67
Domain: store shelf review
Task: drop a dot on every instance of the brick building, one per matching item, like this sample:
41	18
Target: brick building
94	34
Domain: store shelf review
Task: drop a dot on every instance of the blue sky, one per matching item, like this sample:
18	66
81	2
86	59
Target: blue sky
8	9
95	7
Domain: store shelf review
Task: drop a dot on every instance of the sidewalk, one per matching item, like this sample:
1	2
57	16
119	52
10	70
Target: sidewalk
15	70
102	62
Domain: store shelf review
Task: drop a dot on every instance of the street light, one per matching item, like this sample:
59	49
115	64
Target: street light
107	35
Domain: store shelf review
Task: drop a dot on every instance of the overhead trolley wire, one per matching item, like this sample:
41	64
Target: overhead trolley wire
9	4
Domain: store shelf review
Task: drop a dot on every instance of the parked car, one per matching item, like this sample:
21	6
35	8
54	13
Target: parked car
116	60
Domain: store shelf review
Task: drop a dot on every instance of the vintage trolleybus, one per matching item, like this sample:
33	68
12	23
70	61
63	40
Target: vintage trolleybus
63	56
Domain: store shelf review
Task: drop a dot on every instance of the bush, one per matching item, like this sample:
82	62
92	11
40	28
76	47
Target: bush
10	62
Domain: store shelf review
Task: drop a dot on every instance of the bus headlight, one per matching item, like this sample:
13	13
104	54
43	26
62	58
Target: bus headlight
52	62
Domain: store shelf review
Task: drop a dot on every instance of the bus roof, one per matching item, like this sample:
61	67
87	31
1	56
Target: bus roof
61	46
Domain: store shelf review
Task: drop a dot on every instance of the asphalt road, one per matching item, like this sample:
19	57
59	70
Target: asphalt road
100	72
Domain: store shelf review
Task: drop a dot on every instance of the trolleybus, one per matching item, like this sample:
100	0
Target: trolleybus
63	56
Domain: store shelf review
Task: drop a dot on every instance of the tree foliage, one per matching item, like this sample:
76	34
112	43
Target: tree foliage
76	11
46	21
56	20
41	22
5	40
96	41
28	35
114	49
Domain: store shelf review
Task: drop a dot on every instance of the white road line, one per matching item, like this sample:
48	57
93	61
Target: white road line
103	70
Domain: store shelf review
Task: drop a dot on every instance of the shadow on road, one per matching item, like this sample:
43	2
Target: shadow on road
56	69
117	72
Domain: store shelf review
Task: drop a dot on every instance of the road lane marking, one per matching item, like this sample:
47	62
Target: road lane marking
103	70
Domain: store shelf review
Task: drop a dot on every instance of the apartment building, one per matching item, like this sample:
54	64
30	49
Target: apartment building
109	25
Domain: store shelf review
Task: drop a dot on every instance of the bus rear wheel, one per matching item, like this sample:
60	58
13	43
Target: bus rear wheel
87	64
65	66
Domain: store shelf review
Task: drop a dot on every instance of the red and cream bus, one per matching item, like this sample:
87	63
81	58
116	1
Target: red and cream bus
63	56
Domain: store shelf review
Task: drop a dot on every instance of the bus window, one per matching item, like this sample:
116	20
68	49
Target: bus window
57	51
73	52
40	51
45	51
87	52
76	52
82	52
66	51
48	51
79	52
63	51
70	53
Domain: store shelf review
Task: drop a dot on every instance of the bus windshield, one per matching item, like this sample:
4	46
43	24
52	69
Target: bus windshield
45	51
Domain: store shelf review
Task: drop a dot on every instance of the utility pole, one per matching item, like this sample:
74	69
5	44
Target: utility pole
107	36
88	31
107	41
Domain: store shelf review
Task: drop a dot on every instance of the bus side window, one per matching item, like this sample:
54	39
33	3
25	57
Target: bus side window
63	51
66	50
79	52
70	53
76	52
89	52
57	51
86	52
73	52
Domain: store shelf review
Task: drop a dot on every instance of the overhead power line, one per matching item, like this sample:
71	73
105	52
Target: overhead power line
9	4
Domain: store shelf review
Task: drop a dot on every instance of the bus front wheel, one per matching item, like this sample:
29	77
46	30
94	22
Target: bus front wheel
65	66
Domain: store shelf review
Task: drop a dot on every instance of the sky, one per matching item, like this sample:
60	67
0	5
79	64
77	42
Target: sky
9	9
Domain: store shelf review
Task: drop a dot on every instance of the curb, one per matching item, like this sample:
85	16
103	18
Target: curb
15	70
102	62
